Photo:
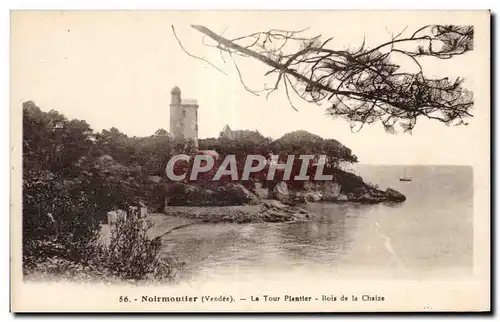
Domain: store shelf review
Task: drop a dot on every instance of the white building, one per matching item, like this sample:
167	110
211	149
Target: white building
183	117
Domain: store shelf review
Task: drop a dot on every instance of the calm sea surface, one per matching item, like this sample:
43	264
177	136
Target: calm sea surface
427	236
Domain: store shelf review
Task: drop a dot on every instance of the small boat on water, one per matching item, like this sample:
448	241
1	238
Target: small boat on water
404	177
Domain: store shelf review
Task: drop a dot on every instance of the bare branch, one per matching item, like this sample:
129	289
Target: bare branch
191	55
362	85
241	79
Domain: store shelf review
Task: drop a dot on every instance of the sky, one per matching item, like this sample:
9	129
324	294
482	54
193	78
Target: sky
116	69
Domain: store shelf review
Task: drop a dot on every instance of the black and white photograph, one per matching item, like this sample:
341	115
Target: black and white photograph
250	161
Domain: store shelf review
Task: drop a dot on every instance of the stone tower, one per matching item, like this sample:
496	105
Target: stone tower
183	117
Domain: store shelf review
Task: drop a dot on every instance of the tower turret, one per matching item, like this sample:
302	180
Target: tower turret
175	96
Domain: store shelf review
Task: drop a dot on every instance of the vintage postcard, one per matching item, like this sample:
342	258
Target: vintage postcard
250	161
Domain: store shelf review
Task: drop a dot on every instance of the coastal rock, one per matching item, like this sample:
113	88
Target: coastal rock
281	192
236	193
370	199
260	191
360	191
393	195
349	182
298	199
274	204
307	193
378	193
303	215
228	194
331	191
309	186
267	211
342	198
313	196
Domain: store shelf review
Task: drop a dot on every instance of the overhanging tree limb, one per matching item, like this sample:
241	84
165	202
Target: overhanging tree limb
363	85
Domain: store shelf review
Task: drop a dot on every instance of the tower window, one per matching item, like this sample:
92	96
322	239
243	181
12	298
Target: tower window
183	113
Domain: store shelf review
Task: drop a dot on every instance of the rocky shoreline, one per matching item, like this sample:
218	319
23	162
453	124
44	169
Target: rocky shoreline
266	211
332	192
233	202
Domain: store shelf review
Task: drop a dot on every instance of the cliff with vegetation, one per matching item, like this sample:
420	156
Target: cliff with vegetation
73	176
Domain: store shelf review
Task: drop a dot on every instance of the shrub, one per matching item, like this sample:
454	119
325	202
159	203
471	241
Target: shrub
130	253
176	193
57	220
61	234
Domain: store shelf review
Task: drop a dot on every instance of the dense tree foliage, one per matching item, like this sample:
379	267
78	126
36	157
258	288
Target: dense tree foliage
303	142
294	143
72	176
